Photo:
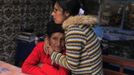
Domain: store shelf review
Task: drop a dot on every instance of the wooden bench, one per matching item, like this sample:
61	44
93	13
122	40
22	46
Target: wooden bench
111	72
122	62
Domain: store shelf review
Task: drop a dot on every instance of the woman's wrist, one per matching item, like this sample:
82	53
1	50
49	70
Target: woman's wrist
51	52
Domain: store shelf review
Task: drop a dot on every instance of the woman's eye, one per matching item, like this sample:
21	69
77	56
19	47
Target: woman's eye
54	38
55	10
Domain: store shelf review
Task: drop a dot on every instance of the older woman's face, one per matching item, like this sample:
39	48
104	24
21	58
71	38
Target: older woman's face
56	41
58	14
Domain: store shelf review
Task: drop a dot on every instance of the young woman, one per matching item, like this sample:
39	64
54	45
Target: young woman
38	62
83	52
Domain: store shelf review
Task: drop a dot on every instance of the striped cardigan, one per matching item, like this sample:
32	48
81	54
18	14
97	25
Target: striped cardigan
83	52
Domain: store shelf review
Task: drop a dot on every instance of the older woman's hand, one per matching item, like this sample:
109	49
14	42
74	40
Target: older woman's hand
47	48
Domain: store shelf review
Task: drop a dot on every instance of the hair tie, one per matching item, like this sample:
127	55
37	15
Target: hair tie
81	11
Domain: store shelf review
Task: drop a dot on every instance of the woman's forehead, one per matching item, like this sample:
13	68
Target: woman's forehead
58	7
57	34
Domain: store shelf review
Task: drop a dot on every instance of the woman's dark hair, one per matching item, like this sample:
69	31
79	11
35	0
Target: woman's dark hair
70	6
90	6
53	28
73	6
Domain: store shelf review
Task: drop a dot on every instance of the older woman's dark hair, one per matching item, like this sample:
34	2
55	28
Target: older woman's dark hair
70	6
53	28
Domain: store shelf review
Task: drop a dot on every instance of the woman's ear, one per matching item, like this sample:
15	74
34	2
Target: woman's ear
67	14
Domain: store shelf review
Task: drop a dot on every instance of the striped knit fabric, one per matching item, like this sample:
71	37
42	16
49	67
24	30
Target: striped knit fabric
83	52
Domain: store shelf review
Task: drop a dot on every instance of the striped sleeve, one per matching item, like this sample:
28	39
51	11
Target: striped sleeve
75	41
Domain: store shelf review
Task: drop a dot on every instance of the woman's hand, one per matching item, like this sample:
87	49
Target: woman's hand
46	45
47	48
50	50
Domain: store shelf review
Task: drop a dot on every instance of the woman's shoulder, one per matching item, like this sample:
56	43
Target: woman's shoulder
40	44
80	20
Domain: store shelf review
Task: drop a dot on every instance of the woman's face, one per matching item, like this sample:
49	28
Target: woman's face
58	15
56	41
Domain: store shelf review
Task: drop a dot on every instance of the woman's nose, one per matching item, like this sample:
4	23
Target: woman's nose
58	43
52	13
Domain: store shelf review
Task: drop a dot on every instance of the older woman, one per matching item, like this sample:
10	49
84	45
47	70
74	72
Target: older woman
38	62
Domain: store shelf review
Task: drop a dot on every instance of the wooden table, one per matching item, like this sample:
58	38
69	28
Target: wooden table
123	63
8	69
